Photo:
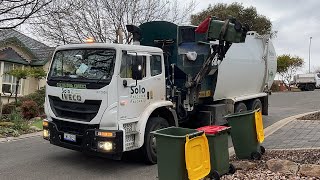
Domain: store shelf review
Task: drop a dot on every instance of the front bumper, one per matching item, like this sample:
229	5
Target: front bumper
86	140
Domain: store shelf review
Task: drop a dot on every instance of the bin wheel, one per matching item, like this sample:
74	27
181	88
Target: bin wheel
262	149
256	156
214	175
149	147
232	169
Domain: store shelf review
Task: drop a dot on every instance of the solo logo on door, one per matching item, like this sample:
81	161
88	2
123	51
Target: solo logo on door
138	94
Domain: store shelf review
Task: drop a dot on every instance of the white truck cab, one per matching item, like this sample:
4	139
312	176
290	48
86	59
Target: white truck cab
93	104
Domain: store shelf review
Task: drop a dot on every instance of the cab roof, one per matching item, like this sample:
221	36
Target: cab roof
138	48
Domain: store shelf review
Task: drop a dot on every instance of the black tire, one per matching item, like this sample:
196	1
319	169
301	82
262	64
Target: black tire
149	146
263	150
310	87
240	107
214	175
255	104
256	156
232	169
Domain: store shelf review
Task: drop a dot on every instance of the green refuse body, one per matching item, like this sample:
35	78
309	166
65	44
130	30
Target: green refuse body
244	135
171	152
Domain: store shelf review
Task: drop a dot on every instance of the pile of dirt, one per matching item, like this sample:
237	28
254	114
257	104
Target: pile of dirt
314	116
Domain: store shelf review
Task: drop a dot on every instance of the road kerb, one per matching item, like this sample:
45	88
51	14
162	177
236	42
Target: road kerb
24	136
276	126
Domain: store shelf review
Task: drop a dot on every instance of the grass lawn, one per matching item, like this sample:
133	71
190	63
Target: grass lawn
37	124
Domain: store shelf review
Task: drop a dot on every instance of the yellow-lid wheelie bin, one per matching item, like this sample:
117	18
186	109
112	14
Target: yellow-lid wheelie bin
182	154
247	134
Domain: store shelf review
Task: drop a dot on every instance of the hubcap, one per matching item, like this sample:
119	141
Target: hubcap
154	144
153	140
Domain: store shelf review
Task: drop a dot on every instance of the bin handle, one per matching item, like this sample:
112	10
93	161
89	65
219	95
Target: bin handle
192	135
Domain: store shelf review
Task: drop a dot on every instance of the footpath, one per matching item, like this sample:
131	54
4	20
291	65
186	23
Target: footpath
293	151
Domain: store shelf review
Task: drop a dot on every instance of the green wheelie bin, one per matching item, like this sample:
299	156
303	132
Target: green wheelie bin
219	155
170	146
244	135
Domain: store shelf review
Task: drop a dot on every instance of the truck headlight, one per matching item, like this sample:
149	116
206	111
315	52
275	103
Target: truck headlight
45	123
105	145
46	133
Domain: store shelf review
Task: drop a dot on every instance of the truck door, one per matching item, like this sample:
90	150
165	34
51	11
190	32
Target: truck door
157	78
133	97
317	80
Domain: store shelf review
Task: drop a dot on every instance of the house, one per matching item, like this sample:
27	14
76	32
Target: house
20	51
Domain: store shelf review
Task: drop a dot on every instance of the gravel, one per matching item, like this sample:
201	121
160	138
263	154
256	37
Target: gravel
314	116
262	172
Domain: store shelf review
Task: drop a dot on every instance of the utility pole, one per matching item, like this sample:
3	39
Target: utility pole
309	52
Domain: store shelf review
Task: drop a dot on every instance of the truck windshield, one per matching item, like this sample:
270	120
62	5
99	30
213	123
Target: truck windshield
85	64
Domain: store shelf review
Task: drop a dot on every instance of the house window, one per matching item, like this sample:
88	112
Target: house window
8	81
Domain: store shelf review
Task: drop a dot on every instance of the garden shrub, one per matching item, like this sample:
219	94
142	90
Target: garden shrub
29	109
8	108
37	97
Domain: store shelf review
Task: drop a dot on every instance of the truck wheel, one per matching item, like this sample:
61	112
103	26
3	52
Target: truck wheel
149	147
240	107
255	104
310	87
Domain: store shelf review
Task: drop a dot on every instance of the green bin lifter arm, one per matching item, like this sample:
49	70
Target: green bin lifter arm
210	66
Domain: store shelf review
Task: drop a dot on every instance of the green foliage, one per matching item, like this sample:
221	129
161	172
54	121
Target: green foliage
38	124
287	62
287	66
8	108
8	131
14	126
15	116
19	73
29	109
250	16
37	73
37	97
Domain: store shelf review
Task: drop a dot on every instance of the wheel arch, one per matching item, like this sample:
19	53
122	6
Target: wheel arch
159	109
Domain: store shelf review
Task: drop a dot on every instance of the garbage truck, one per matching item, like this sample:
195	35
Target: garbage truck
105	99
307	82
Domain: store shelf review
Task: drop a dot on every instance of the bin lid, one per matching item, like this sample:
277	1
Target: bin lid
197	157
213	129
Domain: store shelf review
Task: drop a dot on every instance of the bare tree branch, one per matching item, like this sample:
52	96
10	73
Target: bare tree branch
72	21
15	12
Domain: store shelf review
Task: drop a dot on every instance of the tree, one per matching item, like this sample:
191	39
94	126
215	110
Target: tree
37	73
18	73
287	67
15	12
23	73
250	16
72	21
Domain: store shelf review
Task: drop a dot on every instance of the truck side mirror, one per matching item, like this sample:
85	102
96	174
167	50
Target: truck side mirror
137	70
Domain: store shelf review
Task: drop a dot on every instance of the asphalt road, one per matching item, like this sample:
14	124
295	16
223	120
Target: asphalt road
35	158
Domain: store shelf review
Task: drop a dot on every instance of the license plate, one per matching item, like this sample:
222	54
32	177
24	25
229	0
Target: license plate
69	137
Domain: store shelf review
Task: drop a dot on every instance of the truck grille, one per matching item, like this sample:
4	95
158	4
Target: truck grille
73	128
76	111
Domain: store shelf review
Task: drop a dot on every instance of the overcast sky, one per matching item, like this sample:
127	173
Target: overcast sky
295	20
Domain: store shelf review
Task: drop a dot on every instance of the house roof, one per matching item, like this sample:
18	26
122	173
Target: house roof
8	54
39	52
